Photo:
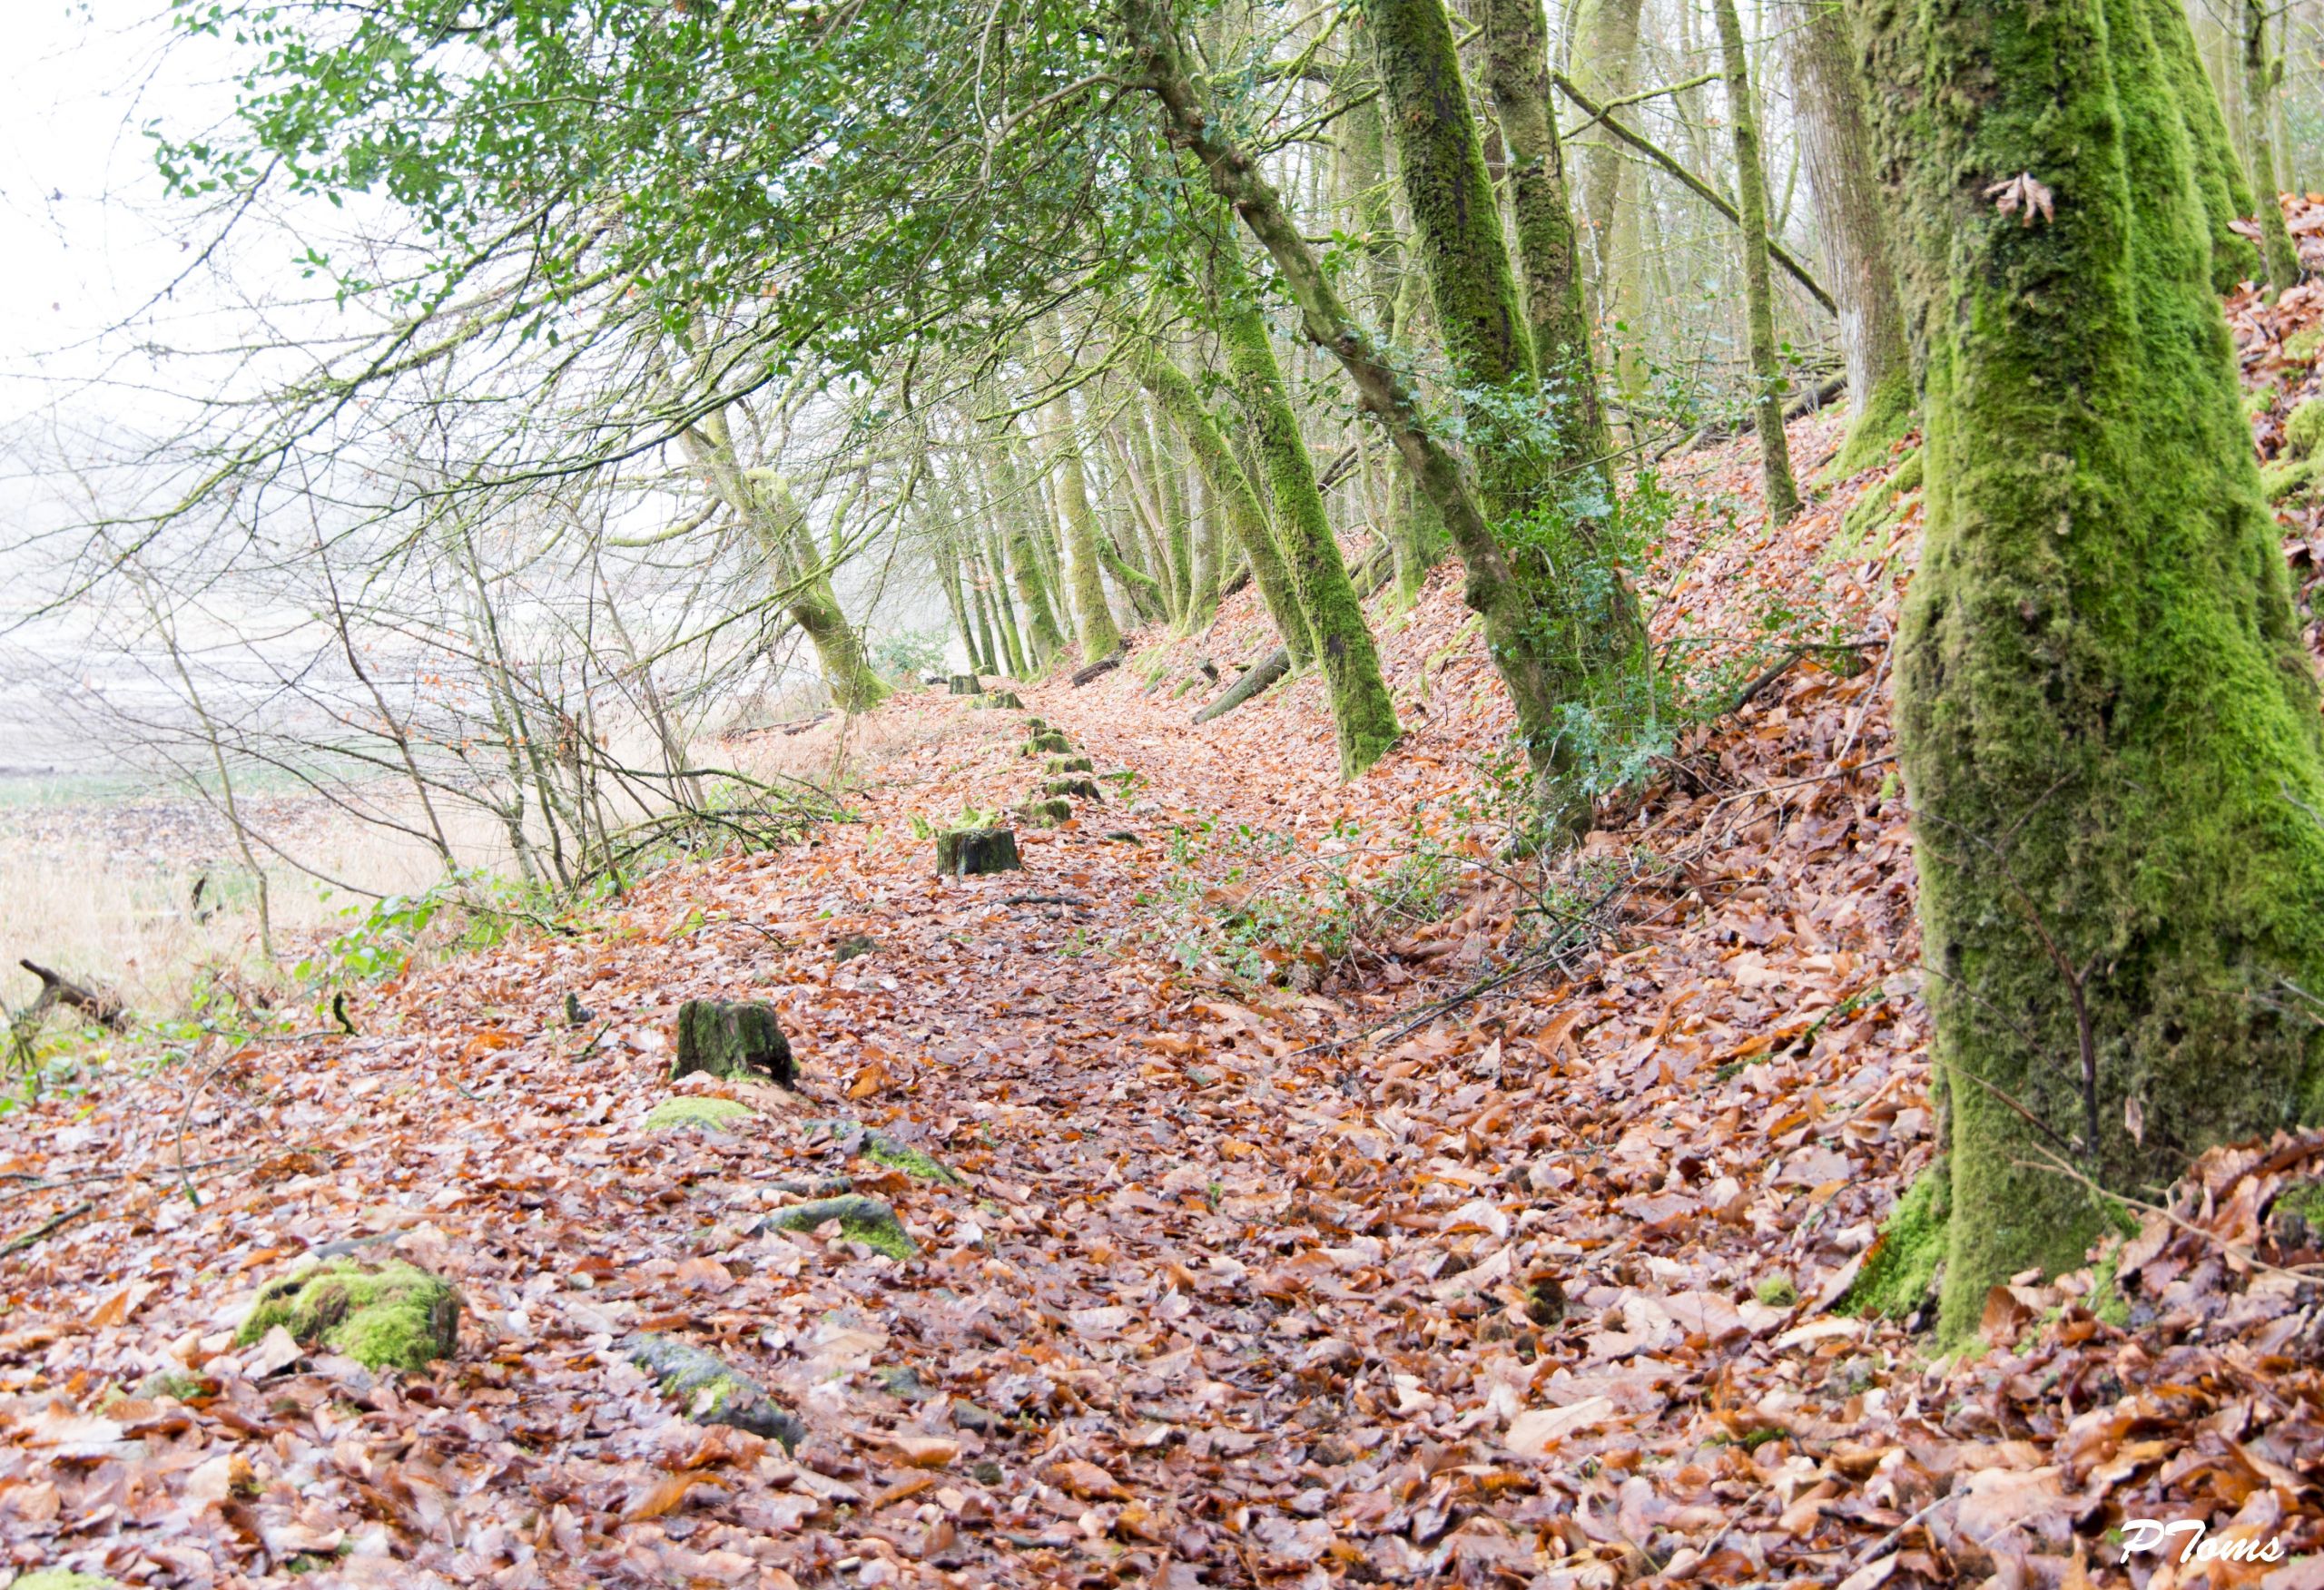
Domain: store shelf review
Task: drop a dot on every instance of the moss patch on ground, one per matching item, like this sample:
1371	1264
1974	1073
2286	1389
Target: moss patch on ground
719	1114
63	1579
882	1149
385	1314
1899	1275
860	1220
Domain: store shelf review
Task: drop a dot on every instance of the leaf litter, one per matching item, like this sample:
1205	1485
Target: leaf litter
1495	1248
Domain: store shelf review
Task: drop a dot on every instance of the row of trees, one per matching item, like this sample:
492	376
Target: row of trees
1081	315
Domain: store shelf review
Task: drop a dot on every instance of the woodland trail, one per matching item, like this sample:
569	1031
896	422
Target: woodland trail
1279	1275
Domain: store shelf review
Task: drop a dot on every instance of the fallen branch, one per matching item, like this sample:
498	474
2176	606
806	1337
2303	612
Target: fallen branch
1084	675
1256	678
1047	900
106	1010
46	1228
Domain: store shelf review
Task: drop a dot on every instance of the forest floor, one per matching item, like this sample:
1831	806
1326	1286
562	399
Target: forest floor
1336	1200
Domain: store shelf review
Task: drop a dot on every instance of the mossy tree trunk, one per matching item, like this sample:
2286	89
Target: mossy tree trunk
1021	504
948	576
1546	621
2105	715
1363	715
1233	497
1758	292
1518	72
1093	620
2219	175
764	502
1836	137
1202	598
2262	71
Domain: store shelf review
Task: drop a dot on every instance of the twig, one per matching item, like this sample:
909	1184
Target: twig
1898	1533
1798	783
1871	700
2048	1162
18	1244
50	1186
1046	900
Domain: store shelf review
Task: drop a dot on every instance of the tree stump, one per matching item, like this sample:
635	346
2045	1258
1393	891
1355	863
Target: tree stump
967	684
1070	764
732	1040
997	698
1081	788
969	852
1048	740
1045	812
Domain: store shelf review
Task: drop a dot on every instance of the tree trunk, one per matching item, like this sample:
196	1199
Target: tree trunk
2105	712
1232	495
1759	295
948	576
1022	502
2219	174
1518	71
1093	621
2261	71
1827	85
1363	715
1202	601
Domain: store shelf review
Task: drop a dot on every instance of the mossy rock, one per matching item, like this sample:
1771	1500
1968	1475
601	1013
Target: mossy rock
973	852
1081	789
1047	741
723	1039
716	1114
712	1391
1046	812
385	1314
1068	764
860	1220
1899	1275
882	1149
63	1579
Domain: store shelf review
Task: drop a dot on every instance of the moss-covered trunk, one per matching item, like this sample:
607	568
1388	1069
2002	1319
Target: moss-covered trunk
763	501
1363	715
1518	72
1020	502
1093	620
2106	719
1836	137
2219	175
1758	293
2262	71
1202	599
1233	498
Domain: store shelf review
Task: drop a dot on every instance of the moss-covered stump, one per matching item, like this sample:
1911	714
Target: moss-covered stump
1081	789
970	852
997	698
712	1391
1048	811
732	1040
1898	1277
1047	741
716	1114
966	684
882	1149
1068	764
860	1220
385	1314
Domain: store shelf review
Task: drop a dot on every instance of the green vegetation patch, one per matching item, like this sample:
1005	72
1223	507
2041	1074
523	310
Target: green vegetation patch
718	1114
1899	1275
63	1579
860	1220
711	1390
882	1149
382	1313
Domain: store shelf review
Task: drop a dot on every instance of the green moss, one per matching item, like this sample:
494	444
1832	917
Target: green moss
711	1390
2304	428
384	1314
1045	813
1776	1292
2261	401
1899	1275
1070	764
1047	741
882	1149
173	1383
720	1114
2106	1299
860	1220
1877	508
2105	712
63	1579
2288	479
1885	418
2305	345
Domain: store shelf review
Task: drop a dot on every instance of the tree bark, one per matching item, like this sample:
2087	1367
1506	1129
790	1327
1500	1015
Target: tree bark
1836	137
2105	715
2219	175
1093	620
1759	297
2261	69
